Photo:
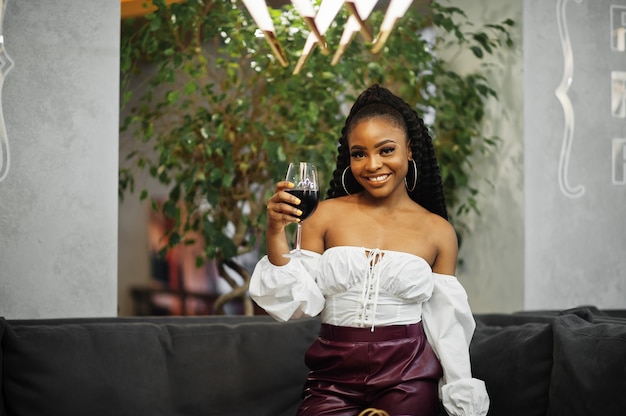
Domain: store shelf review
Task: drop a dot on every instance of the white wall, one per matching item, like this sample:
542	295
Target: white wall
575	183
58	204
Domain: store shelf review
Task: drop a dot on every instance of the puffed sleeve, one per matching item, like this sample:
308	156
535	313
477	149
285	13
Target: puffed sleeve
289	291
449	327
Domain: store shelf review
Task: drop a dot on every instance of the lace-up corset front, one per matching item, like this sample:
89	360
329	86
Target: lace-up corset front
368	287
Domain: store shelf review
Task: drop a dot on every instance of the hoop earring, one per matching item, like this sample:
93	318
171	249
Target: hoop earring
343	180
414	180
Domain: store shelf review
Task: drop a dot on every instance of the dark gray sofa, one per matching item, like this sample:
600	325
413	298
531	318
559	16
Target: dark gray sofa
543	363
554	363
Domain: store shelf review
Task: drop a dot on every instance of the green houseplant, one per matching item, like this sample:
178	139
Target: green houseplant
222	118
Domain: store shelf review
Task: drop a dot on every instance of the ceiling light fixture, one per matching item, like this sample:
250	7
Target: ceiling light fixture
395	11
325	16
305	8
318	23
261	16
359	12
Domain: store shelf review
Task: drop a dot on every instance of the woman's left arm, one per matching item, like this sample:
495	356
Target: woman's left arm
449	326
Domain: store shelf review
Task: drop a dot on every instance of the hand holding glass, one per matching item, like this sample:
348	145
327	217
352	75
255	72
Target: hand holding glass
304	176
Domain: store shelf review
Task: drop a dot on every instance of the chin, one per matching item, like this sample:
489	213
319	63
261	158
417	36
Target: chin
378	193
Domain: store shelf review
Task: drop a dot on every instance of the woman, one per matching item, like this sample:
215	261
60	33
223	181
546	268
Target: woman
396	324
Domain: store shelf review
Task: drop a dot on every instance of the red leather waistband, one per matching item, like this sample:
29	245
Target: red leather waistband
380	333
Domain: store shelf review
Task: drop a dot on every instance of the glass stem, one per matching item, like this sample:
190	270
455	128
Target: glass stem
298	236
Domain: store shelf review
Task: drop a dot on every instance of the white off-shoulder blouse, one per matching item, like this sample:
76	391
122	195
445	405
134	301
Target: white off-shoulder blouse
361	287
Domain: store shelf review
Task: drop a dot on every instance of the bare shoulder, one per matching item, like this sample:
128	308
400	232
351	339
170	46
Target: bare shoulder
445	240
442	227
341	202
315	228
325	211
329	208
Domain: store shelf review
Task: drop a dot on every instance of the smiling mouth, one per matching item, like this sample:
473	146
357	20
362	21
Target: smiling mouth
378	178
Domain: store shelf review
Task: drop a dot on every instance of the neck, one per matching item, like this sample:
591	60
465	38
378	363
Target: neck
389	203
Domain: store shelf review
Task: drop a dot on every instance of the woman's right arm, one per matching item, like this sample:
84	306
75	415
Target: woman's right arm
285	288
287	292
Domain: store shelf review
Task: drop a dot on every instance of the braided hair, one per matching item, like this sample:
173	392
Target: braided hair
377	101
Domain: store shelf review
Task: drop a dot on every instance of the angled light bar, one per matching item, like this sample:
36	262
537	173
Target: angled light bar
325	16
305	8
261	16
359	12
395	11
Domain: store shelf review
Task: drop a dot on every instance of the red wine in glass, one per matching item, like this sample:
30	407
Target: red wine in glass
309	199
304	177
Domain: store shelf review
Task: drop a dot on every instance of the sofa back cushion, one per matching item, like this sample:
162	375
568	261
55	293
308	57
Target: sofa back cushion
589	372
204	366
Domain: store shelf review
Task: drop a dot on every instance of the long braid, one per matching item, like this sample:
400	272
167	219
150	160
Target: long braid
429	189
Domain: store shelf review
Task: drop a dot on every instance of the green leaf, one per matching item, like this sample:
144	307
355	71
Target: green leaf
478	52
169	209
172	97
174	239
155	25
190	87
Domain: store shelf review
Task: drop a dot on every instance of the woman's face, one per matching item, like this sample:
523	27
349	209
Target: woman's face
379	156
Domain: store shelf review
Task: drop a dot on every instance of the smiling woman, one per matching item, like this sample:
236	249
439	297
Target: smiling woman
380	273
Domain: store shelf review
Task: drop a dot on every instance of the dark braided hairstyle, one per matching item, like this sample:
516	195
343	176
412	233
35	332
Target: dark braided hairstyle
377	101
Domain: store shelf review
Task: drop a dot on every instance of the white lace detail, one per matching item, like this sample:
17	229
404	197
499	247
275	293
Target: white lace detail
371	289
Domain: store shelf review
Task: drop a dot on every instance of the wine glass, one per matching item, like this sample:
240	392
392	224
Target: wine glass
304	176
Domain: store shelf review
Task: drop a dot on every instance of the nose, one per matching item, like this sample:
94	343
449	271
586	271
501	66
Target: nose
374	163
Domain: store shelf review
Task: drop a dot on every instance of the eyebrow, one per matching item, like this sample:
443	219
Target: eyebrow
376	146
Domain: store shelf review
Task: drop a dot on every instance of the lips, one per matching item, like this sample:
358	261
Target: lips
378	178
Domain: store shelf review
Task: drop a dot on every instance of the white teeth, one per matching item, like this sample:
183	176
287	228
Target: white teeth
379	178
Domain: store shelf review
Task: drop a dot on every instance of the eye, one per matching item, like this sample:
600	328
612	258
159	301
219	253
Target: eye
357	154
387	150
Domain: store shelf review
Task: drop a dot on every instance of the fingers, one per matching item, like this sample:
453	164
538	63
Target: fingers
282	185
282	207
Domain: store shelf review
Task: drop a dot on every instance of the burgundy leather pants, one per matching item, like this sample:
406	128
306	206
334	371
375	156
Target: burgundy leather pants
393	368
